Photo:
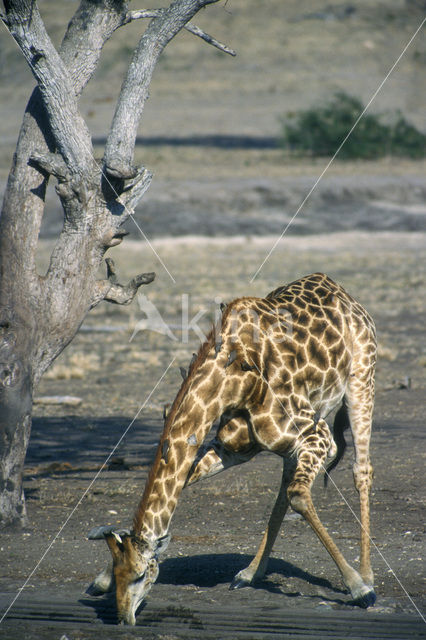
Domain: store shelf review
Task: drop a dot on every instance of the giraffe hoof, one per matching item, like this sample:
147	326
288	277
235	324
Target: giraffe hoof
238	583
365	600
94	590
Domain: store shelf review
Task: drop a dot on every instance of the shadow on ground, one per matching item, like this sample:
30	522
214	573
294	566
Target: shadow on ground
211	570
78	440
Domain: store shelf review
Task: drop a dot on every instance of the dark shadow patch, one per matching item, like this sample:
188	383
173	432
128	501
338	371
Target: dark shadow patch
103	606
217	141
66	445
210	570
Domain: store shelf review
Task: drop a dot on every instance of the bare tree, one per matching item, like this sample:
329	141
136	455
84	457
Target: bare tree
40	315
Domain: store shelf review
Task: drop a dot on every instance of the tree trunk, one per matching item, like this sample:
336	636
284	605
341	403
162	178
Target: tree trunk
15	427
40	315
15	423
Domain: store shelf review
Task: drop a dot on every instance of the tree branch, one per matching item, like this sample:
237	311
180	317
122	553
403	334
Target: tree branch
118	157
134	191
91	26
192	28
68	127
140	14
111	291
122	200
196	31
51	163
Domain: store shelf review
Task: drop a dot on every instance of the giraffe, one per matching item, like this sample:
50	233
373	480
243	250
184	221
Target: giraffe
270	373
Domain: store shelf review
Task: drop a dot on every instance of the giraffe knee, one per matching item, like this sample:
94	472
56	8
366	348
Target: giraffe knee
299	499
363	476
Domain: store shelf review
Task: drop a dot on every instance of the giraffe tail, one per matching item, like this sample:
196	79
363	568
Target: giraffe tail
341	423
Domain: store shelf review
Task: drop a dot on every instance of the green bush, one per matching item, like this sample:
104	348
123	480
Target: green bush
319	132
406	140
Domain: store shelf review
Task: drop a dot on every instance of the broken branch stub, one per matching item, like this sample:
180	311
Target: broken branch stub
192	28
112	291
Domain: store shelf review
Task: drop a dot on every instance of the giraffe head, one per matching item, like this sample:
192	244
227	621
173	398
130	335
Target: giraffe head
134	569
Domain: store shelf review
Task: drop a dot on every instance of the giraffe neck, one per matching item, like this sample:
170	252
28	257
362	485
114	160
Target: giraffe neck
203	397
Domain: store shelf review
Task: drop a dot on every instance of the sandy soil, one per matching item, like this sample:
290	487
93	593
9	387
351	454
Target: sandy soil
219	521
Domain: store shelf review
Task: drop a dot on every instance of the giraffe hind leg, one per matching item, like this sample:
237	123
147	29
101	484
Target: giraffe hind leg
311	455
360	407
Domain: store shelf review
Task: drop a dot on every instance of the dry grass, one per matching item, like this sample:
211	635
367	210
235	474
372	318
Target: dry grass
77	366
199	163
386	353
146	357
382	270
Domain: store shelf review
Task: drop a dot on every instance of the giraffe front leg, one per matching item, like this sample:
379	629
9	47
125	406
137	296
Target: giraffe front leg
207	463
102	583
231	446
257	567
311	454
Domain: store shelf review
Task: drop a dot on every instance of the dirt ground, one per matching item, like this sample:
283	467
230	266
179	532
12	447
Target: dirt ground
219	522
213	214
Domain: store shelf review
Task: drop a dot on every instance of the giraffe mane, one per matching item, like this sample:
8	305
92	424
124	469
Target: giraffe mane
199	360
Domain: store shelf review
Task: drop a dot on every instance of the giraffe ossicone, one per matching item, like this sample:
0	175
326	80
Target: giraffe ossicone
270	383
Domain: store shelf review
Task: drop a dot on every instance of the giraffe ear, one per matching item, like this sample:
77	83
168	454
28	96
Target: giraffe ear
162	544
166	411
114	538
99	533
115	544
